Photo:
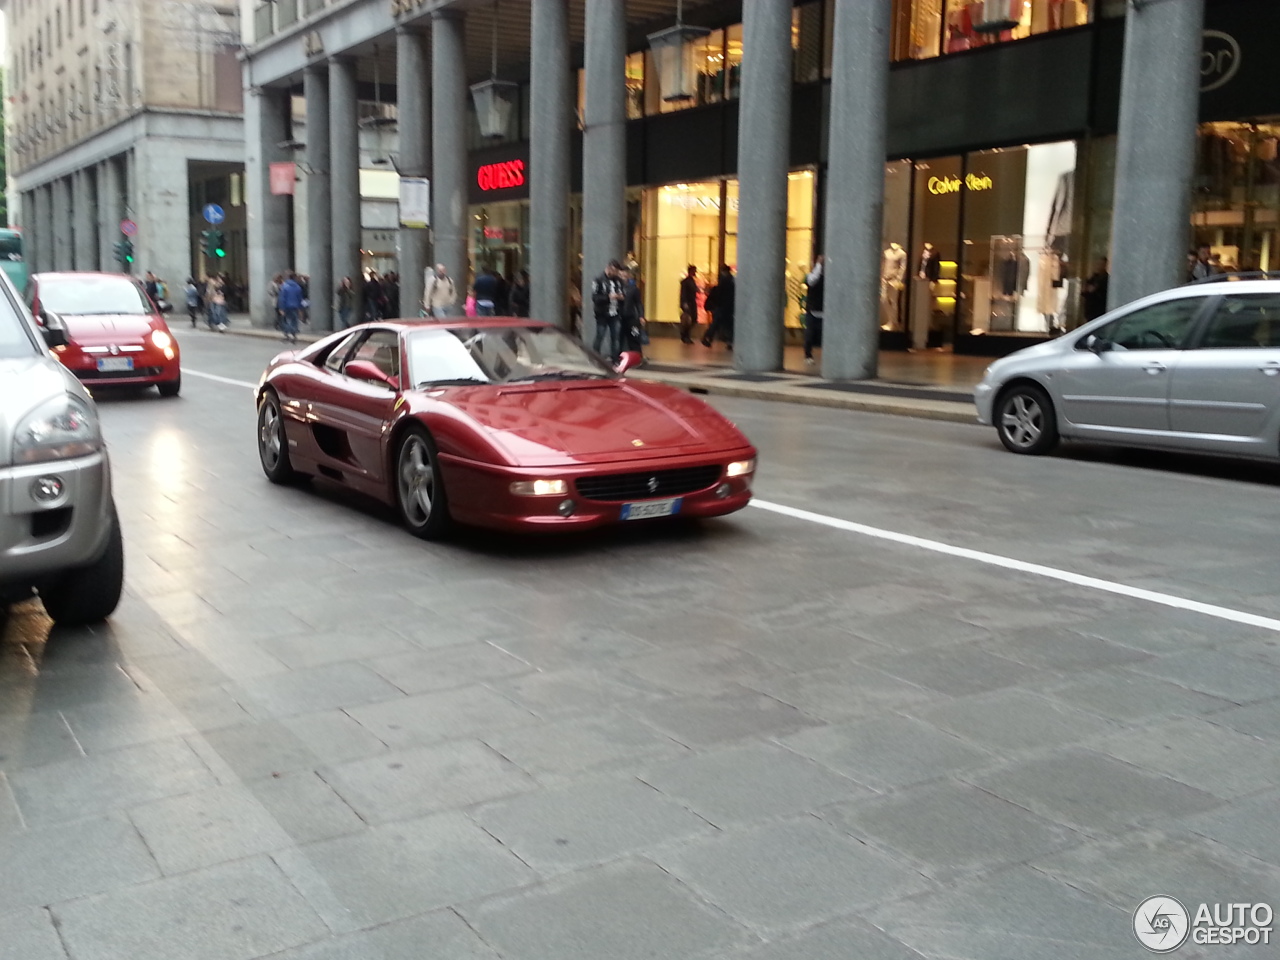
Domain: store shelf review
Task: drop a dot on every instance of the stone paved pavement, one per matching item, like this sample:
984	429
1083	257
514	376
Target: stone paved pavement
307	735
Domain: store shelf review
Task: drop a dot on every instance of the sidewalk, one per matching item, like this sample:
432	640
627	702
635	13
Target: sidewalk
930	385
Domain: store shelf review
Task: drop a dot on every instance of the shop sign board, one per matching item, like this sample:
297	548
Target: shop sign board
500	176
975	182
415	202
282	177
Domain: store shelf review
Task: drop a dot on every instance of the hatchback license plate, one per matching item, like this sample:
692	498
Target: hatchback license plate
115	363
650	508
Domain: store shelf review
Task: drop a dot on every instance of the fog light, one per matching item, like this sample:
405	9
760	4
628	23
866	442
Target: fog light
46	489
540	488
566	508
722	491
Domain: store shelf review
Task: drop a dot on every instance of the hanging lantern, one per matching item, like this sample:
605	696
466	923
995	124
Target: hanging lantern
495	101
676	52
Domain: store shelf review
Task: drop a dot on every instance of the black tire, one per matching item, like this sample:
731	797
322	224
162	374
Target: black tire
91	593
273	444
419	485
170	388
1025	420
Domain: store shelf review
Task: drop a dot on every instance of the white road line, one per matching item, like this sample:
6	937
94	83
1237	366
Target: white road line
964	553
214	376
1022	566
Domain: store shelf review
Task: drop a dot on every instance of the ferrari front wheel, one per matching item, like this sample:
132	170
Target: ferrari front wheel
420	486
273	444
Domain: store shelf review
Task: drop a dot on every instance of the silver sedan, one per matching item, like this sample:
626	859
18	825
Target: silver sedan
1193	368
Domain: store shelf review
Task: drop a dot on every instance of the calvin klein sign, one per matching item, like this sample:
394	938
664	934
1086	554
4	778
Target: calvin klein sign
1219	60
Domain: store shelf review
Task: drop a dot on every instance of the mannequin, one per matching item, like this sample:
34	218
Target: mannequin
930	266
928	272
893	269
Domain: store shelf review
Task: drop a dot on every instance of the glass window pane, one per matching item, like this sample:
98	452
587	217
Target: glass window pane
1162	326
1248	322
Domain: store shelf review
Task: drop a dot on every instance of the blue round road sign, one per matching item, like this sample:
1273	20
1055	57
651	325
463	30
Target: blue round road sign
213	213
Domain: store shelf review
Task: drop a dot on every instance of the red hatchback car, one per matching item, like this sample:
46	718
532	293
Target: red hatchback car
498	423
116	334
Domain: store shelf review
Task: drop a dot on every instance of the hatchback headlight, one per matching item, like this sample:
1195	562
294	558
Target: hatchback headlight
740	468
161	339
64	427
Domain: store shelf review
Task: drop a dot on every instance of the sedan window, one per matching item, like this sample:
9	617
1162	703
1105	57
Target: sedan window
1161	326
1244	322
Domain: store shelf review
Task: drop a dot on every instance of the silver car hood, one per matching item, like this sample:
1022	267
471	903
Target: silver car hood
25	383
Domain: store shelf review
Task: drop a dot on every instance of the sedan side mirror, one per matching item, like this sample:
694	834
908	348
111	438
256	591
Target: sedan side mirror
370	372
53	330
1098	345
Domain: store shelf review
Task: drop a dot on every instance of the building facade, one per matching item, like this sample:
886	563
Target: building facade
1000	150
125	110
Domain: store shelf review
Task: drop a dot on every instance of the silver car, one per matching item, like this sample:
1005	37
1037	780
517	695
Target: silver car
59	535
1193	368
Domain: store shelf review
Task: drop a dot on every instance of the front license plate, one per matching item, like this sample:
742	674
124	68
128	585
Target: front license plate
116	363
650	508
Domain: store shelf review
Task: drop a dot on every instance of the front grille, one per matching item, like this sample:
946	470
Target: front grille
119	374
650	484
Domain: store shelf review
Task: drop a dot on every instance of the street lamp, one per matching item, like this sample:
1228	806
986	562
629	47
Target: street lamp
494	99
675	55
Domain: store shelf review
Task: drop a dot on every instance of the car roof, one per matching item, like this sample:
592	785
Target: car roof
79	274
460	323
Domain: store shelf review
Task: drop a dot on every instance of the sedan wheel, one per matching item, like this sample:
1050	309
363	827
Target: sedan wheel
273	446
1025	420
420	487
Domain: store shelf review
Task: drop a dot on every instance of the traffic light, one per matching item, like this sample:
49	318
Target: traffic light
215	243
124	251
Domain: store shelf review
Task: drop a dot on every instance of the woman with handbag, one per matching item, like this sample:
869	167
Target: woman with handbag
635	333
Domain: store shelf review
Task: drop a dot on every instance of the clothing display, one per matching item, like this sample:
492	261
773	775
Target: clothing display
992	16
1057	232
894	264
893	269
930	265
1048	284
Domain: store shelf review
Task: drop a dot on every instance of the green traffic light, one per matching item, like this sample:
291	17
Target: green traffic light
219	252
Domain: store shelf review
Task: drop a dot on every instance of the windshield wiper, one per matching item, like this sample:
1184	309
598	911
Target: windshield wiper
558	375
455	382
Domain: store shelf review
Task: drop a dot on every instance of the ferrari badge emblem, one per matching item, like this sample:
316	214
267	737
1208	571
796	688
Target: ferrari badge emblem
653	484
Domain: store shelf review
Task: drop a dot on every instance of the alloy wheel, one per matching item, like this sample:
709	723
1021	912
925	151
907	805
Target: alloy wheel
417	481
1022	420
270	434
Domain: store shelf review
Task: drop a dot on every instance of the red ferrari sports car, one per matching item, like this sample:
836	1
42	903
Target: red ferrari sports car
498	423
116	334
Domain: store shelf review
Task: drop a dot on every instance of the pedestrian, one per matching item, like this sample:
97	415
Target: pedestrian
192	292
606	300
520	295
1200	267
502	304
1093	296
391	292
373	297
290	305
634	334
216	296
688	304
152	286
720	304
304	315
273	298
485	290
438	293
813	313
344	299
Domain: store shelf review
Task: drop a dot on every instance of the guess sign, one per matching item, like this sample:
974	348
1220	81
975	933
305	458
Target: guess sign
501	176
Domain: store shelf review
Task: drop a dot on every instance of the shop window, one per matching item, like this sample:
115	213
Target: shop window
1237	194
927	28
635	86
806	38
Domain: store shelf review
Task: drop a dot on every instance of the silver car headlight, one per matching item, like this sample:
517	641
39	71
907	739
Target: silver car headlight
63	428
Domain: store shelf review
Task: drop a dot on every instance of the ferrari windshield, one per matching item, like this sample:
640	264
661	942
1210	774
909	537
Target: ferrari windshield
92	294
517	354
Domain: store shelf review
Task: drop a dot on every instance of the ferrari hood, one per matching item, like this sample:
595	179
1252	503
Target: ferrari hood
596	421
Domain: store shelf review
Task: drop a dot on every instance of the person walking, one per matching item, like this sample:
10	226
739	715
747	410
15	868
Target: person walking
273	298
391	291
152	286
632	313
813	314
290	305
485	290
520	295
374	298
688	304
192	292
215	293
1094	295
344	299
438	293
606	301
720	304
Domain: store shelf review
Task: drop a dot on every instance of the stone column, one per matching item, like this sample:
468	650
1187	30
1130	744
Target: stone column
1155	148
604	145
550	101
764	138
344	178
110	212
63	255
315	85
163	243
44	227
84	241
413	110
856	155
266	124
449	95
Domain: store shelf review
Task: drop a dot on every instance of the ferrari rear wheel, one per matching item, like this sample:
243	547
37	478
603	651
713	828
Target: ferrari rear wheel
273	445
420	486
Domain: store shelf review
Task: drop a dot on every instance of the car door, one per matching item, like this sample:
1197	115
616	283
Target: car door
1225	392
1116	382
301	388
349	415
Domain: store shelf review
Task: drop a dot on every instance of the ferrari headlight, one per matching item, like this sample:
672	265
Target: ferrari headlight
63	428
740	468
161	339
540	488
